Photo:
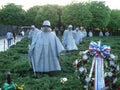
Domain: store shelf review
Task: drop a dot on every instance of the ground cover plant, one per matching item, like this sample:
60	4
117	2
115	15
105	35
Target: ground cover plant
15	60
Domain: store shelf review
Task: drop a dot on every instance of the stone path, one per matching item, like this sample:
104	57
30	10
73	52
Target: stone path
3	43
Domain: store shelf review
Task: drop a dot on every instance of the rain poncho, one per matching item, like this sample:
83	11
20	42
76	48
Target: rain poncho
84	33
69	41
44	51
90	34
107	33
100	33
77	36
32	34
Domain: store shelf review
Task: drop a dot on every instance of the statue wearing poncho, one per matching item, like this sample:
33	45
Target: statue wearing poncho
45	50
77	36
32	33
68	39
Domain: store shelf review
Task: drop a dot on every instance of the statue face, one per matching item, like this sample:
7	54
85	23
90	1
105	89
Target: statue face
77	29
46	29
33	29
70	28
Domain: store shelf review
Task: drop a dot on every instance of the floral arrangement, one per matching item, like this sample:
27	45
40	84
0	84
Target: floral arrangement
103	60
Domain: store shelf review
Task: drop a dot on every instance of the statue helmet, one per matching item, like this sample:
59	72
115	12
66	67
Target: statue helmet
46	23
32	26
70	26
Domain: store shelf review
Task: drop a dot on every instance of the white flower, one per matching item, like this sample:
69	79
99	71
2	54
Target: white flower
63	80
81	52
85	57
93	78
115	80
85	86
112	63
81	69
112	56
118	68
87	79
105	74
110	74
76	62
106	64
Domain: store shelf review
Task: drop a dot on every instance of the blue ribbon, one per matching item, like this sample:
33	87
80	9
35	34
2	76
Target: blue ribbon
98	50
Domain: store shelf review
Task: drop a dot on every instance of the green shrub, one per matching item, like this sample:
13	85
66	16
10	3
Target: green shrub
16	60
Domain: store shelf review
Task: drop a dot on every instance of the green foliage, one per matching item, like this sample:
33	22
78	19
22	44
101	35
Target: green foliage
101	14
94	14
47	12
77	14
12	14
17	63
21	47
31	14
114	20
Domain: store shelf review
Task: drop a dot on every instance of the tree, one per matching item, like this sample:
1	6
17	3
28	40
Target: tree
114	23
48	12
31	14
101	14
77	14
12	14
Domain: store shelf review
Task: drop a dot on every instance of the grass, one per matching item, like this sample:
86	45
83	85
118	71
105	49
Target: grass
15	60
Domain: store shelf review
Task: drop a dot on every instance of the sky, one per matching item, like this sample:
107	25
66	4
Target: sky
26	4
